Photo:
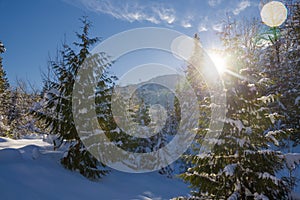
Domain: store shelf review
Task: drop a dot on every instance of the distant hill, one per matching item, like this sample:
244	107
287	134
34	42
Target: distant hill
158	90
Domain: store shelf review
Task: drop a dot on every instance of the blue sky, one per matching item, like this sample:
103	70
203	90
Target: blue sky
33	30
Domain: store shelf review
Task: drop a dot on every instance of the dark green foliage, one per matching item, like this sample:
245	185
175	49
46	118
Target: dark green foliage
240	164
288	66
140	114
78	158
57	112
4	85
282	66
4	96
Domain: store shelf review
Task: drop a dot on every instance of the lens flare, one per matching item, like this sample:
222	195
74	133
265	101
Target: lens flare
274	13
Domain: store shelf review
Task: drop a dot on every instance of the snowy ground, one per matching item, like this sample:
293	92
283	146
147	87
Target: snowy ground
30	170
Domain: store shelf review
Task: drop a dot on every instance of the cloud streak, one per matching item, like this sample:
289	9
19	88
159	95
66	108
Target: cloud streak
190	14
214	3
241	6
186	24
218	27
130	10
202	28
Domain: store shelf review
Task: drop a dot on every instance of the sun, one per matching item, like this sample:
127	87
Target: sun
219	61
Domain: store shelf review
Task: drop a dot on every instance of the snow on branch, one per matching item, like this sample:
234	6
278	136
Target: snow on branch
267	99
237	123
292	159
260	197
271	135
266	175
229	169
234	196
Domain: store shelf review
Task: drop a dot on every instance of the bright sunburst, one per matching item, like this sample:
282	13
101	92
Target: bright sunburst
219	62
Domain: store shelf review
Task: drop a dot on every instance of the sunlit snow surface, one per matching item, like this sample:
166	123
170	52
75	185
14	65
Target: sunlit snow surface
30	169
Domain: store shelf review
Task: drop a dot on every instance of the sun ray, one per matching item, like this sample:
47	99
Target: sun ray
221	64
236	75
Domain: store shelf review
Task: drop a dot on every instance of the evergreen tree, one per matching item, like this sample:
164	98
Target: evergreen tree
140	114
4	95
57	113
4	85
240	164
281	65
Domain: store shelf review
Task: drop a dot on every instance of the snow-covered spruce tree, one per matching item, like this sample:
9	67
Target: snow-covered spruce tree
4	96
281	62
58	105
240	164
140	113
4	85
290	55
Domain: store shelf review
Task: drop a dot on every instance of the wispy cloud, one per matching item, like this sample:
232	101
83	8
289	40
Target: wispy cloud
191	14
186	24
164	14
187	21
202	28
214	3
218	27
130	10
241	6
203	24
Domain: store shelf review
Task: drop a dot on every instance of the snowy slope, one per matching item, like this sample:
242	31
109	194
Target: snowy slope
30	170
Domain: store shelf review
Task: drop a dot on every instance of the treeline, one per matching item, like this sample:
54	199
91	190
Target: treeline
15	107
